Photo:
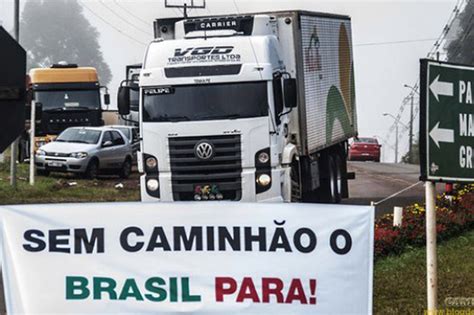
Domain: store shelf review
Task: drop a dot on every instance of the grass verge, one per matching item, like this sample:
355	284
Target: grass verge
400	282
64	188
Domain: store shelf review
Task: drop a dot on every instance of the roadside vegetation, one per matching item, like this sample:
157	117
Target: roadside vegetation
60	188
400	281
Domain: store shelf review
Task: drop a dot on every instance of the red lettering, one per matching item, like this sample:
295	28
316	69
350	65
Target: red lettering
296	292
225	286
272	286
248	291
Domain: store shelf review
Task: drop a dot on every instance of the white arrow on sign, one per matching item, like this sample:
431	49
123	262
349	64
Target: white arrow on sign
441	135
438	88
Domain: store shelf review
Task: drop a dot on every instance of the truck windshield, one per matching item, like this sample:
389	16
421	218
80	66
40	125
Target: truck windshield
205	102
69	100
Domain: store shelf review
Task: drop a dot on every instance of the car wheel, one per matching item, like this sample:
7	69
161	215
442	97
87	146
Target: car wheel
126	169
92	170
42	173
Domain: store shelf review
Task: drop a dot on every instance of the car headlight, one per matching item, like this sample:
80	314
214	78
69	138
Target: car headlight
263	157
152	184
264	180
78	155
40	152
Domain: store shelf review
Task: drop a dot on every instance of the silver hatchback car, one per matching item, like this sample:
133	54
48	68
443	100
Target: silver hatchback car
87	151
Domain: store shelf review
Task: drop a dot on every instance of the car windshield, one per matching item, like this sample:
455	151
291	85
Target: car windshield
79	136
125	131
366	140
205	102
69	100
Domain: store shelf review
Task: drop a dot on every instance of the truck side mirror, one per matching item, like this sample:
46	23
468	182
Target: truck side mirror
289	86
123	100
107	99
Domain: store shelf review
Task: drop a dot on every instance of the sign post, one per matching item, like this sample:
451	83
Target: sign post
446	143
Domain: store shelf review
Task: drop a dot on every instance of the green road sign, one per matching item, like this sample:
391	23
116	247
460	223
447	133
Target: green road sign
446	122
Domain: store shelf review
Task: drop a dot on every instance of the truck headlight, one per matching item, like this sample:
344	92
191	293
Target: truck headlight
40	152
263	157
78	155
264	180
152	184
151	163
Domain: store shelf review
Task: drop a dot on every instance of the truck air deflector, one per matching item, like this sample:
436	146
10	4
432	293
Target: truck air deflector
181	72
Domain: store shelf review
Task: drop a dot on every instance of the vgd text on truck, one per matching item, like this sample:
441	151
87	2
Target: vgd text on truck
247	108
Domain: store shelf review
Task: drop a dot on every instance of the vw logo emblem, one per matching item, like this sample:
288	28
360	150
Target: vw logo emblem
204	150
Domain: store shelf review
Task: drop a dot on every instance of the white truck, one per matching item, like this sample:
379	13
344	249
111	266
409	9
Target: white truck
250	108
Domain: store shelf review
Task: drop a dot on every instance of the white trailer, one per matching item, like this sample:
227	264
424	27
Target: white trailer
247	108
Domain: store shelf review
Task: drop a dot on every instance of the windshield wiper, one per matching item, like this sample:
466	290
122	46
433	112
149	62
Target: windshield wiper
65	109
172	118
234	116
61	140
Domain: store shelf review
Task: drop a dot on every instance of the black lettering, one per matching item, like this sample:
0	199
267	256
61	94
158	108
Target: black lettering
195	236
55	241
260	238
158	239
178	52
333	241
219	50
280	240
201	51
80	238
124	239
299	244
210	238
226	237
34	236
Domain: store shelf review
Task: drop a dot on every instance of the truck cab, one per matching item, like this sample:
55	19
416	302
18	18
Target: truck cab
220	115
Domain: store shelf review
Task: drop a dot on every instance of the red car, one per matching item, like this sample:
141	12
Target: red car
364	149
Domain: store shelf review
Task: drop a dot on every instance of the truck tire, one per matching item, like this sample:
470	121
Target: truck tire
295	182
329	191
339	178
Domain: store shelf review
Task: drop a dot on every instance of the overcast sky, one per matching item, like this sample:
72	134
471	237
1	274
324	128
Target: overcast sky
381	70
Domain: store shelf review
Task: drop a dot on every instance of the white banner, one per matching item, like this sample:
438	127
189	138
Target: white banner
200	258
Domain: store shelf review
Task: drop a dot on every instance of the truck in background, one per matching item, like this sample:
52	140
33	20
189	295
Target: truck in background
247	108
66	95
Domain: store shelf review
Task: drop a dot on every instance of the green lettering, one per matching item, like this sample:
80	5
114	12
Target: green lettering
152	285
173	290
106	285
186	296
130	289
74	284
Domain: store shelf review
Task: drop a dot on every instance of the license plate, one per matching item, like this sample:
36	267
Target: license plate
55	164
365	154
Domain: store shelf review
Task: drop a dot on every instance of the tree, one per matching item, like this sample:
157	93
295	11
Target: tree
461	48
53	31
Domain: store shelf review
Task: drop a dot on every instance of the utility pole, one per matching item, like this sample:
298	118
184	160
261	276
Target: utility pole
14	146
410	136
396	142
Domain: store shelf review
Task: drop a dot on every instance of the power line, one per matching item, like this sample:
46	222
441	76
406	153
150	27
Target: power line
131	14
111	25
124	20
396	42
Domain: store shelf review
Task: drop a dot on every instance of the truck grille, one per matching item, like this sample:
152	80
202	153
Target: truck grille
224	169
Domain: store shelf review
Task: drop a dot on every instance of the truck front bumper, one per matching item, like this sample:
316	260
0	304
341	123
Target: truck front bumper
273	194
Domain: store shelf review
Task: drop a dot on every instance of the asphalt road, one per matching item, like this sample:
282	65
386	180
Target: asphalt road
376	181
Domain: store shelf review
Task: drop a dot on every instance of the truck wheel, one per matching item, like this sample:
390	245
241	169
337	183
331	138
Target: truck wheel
295	182
42	173
339	178
92	170
126	169
328	191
